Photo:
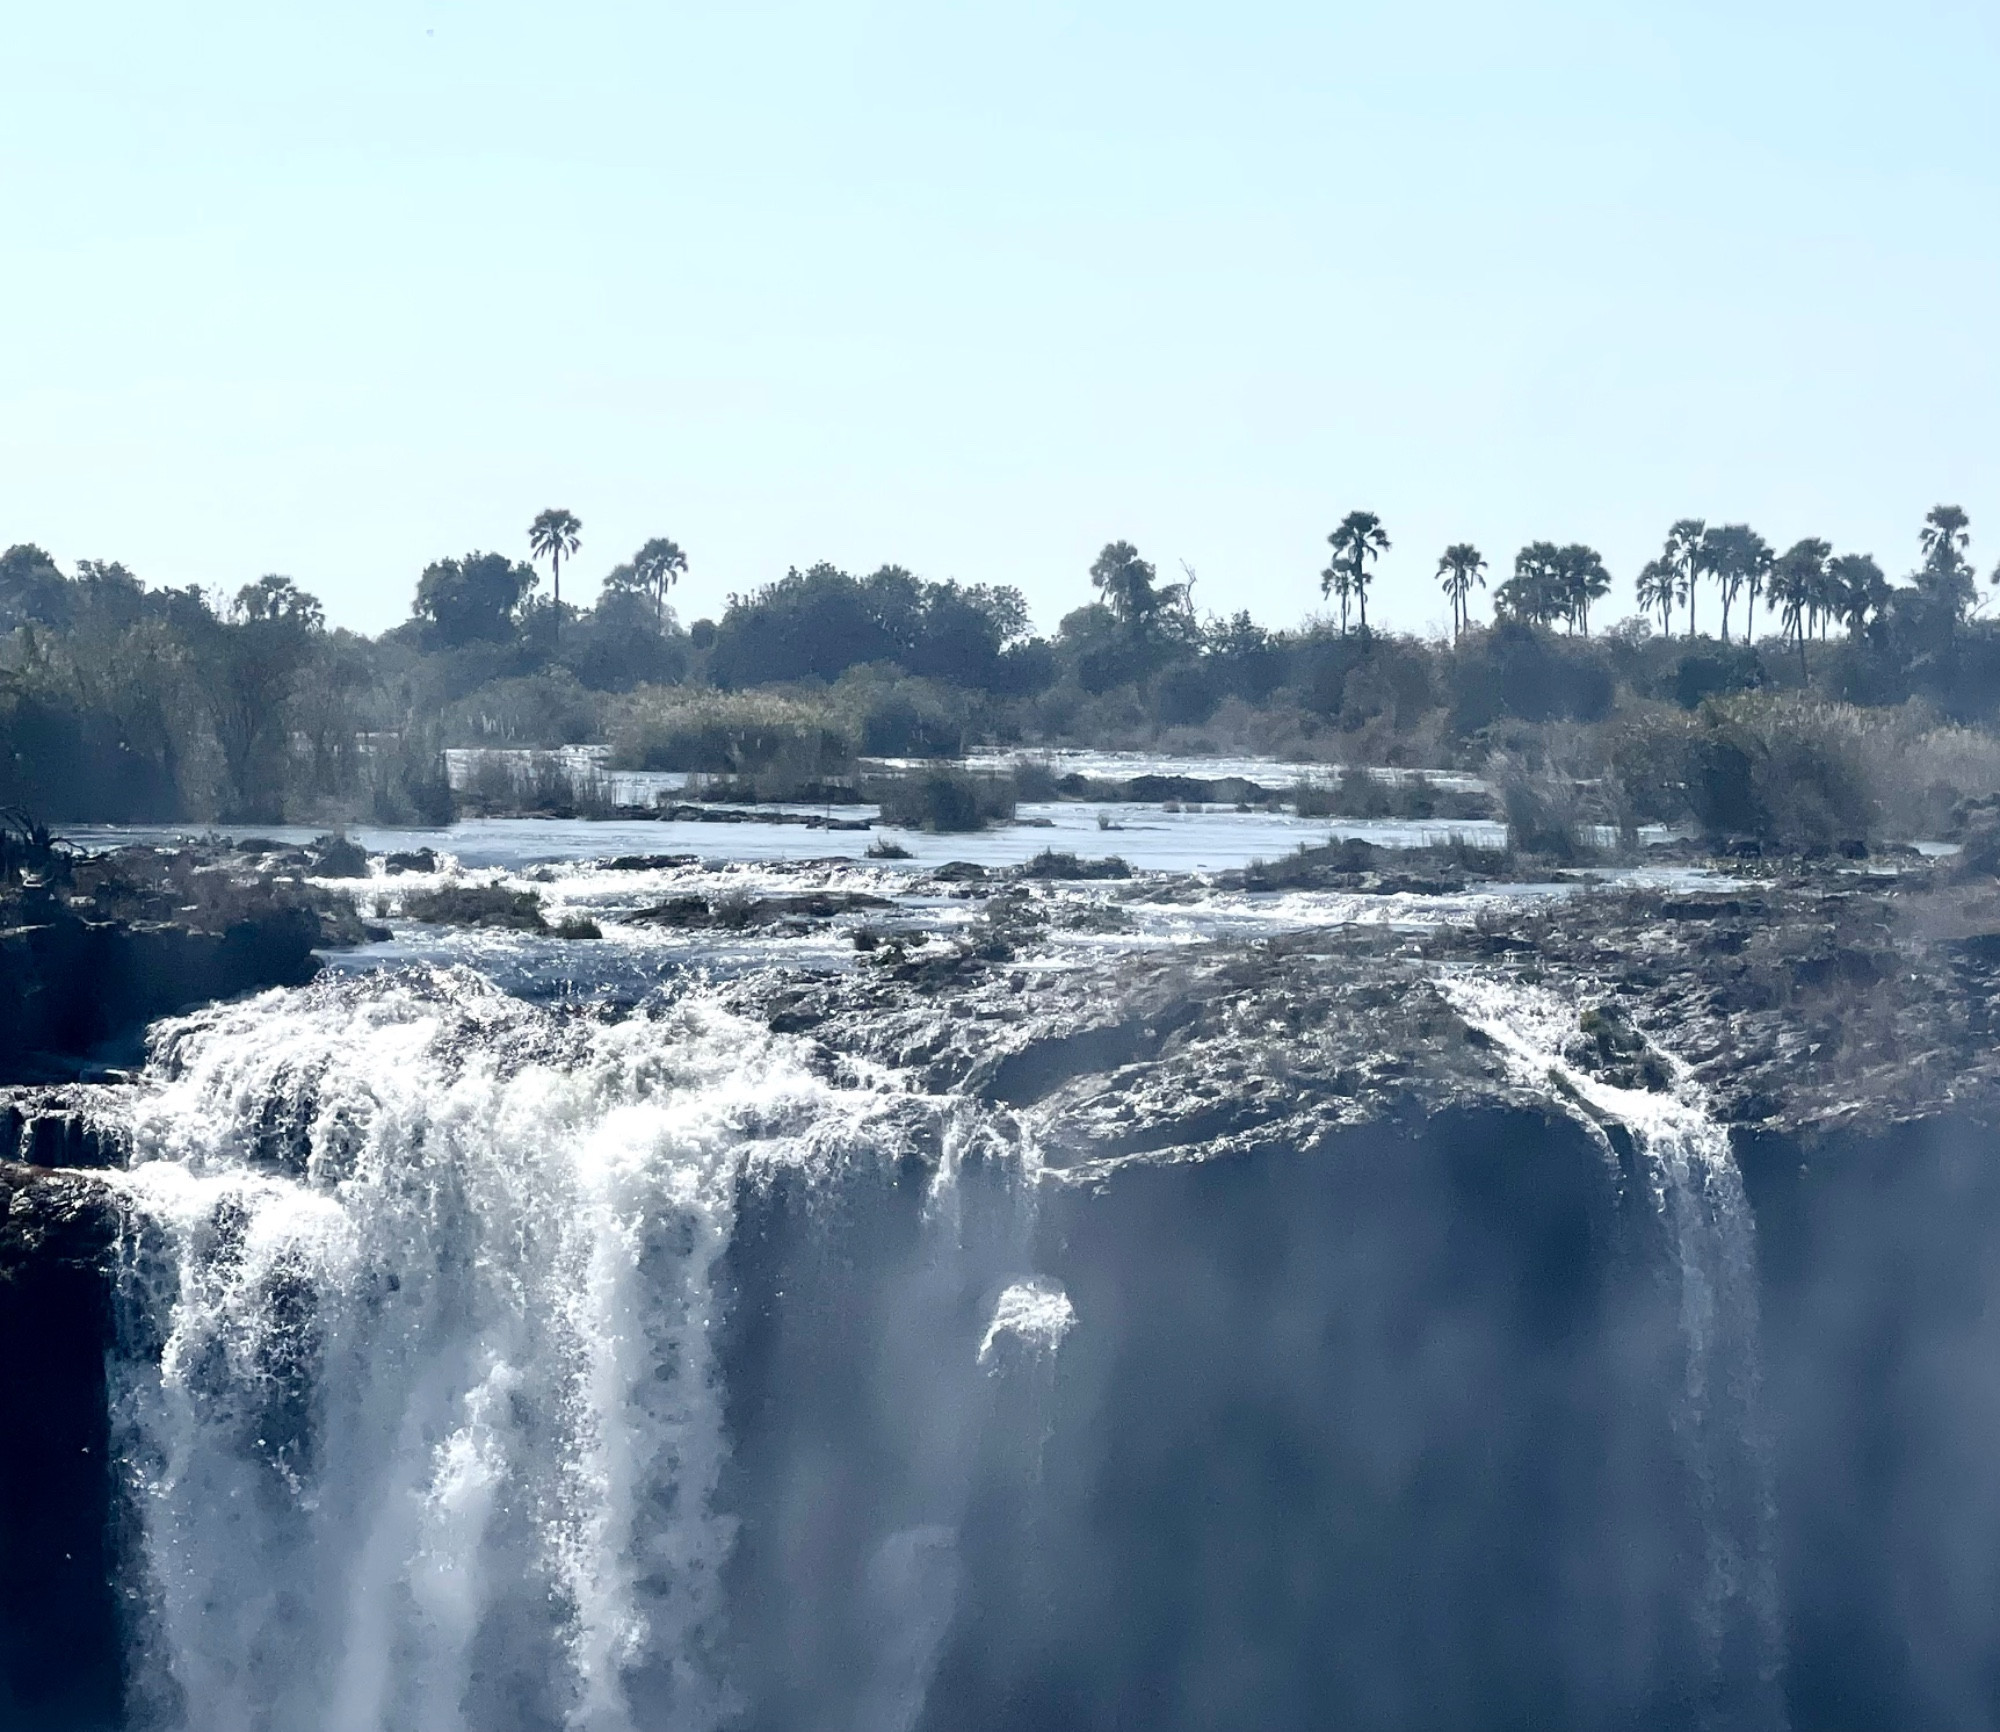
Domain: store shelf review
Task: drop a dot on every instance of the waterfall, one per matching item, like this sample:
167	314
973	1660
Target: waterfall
1697	1194
416	1381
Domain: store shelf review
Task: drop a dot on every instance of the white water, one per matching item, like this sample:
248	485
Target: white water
1037	1314
1697	1192
418	1393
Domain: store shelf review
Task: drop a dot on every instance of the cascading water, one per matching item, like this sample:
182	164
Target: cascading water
1697	1193
419	1303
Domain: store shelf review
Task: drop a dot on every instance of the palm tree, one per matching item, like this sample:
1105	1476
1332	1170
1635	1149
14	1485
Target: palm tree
1858	589
1946	532
1582	579
1126	583
655	566
1722	554
1459	569
1757	559
1535	591
1659	587
1798	588
1946	576
1684	553
1337	582
1359	539
555	536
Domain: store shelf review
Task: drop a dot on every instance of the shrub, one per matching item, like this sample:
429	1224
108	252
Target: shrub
1051	864
731	733
944	800
1792	772
407	783
1544	813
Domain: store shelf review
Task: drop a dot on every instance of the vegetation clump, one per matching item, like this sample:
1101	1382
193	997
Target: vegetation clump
1050	863
477	905
944	800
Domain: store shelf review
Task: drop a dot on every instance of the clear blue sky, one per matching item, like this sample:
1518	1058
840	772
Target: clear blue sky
334	289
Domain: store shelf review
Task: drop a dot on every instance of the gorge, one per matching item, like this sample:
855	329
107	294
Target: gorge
1438	1304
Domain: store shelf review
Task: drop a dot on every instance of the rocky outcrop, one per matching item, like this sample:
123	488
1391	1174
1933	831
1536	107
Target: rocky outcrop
97	947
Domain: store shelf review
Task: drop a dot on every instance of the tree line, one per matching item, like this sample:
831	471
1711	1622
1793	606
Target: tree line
126	701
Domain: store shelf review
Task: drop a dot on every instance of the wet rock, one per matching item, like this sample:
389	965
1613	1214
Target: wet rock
1051	863
651	862
337	857
736	913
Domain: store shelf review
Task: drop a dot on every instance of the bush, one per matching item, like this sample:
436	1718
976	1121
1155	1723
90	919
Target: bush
757	733
540	784
1545	813
1791	772
944	800
1051	864
407	779
903	718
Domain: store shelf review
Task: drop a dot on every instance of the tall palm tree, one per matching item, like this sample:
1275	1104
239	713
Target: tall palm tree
1858	589
1458	571
555	536
1582	579
1946	532
1757	559
1722	557
656	566
1684	554
1535	591
1359	539
1797	589
1337	582
1659	587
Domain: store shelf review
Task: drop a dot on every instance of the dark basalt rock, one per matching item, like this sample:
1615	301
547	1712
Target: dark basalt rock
61	1635
738	913
93	951
477	905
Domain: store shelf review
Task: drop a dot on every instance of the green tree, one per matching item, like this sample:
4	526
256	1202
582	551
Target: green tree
1580	578
1946	576
1685	553
1659	587
656	566
1535	592
1336	583
1797	589
1125	581
472	600
1359	539
1736	556
248	666
1857	588
1459	569
555	535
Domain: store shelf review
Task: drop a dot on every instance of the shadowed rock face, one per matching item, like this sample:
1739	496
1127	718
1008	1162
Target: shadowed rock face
60	1639
111	942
